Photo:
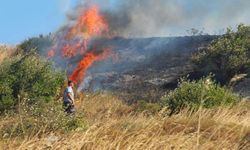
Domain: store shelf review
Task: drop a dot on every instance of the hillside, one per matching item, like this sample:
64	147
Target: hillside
138	64
112	106
149	64
125	75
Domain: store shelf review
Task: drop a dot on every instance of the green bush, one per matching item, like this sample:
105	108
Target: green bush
226	56
193	94
27	78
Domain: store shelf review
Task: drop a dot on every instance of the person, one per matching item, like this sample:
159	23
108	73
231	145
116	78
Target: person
68	98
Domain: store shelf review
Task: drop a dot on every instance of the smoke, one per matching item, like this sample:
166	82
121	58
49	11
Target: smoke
144	18
151	18
64	5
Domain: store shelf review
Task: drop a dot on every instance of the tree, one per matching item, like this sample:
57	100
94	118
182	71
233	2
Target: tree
226	56
40	44
27	78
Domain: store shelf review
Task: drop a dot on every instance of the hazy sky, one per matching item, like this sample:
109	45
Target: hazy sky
21	19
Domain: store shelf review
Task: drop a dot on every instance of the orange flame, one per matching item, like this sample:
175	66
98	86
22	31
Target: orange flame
89	24
69	51
86	62
51	53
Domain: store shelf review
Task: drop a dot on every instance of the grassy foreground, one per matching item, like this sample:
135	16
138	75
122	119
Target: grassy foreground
114	125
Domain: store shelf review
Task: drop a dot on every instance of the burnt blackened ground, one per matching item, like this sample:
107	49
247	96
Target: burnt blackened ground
139	69
145	69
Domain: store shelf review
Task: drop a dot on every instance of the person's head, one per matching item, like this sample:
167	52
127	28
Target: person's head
70	83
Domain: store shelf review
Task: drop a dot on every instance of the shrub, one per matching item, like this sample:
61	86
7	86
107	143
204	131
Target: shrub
193	94
226	56
27	78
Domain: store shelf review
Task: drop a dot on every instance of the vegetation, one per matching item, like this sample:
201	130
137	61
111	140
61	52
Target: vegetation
40	119
226	56
27	78
150	108
193	94
29	97
40	44
6	51
34	118
114	125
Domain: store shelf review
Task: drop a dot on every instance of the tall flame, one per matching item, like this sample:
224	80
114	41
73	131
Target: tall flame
90	24
86	62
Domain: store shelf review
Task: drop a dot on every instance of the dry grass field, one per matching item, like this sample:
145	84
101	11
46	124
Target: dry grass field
6	51
113	125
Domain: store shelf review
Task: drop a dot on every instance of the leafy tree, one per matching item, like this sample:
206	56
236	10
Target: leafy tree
227	55
27	77
40	44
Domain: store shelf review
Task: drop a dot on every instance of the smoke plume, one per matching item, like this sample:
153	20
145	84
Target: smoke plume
154	18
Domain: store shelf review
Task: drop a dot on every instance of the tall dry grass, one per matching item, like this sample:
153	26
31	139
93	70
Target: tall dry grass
6	51
114	125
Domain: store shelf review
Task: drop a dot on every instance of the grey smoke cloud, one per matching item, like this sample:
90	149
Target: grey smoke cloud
146	18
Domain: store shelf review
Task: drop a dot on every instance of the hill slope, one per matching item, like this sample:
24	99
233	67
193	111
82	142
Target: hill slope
150	65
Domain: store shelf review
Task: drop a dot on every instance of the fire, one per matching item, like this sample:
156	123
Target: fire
86	62
69	51
51	53
89	24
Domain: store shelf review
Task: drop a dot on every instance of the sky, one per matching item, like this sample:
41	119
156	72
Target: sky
22	19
